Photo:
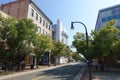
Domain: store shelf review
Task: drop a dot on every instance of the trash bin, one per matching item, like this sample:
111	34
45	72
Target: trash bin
31	66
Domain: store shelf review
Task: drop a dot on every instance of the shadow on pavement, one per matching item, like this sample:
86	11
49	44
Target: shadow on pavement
67	72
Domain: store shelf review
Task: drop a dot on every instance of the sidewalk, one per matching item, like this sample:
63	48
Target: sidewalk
112	74
27	68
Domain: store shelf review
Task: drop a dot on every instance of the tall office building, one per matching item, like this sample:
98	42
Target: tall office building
59	32
108	14
28	9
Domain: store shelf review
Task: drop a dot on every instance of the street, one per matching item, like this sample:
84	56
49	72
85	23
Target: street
67	72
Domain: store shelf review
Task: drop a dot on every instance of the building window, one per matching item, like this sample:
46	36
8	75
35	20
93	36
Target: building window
32	12
119	16
39	30
49	27
36	16
43	31
43	22
115	17
40	19
46	25
114	12
118	10
109	18
104	20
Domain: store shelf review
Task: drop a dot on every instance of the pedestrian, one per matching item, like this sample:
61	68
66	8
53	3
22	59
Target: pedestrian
22	65
95	64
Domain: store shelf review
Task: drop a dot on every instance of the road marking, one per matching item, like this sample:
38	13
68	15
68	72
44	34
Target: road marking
40	77
79	74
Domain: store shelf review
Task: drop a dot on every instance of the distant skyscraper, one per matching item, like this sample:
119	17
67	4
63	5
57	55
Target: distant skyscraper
59	32
108	14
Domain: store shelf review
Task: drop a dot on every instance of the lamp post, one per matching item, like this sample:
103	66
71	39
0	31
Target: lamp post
88	52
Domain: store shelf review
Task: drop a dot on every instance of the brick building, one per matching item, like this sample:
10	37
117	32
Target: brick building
28	9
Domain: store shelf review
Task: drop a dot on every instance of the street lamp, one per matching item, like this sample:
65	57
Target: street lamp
88	52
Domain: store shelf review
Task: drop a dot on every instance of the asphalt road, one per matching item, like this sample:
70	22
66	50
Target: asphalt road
67	72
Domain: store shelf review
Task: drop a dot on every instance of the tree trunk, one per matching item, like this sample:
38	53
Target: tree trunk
37	62
6	65
55	61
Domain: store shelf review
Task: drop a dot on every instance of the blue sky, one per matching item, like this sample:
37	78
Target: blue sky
85	11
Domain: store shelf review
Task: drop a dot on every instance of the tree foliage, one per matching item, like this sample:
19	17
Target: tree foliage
77	57
41	44
103	44
80	43
8	34
57	50
105	38
15	38
26	33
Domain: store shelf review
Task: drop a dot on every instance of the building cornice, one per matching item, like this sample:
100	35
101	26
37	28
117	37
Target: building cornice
109	8
31	1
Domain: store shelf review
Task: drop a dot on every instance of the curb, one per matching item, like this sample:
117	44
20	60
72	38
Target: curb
79	75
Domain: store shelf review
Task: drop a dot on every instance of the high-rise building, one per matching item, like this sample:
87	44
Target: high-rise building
108	14
28	9
59	32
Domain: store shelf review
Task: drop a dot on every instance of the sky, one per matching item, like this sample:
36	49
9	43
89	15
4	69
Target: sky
85	11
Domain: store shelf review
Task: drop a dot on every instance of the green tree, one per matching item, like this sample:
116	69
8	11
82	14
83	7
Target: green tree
8	35
77	57
57	50
26	31
105	45
15	38
67	53
80	43
116	51
105	38
41	44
